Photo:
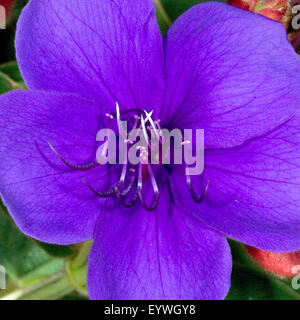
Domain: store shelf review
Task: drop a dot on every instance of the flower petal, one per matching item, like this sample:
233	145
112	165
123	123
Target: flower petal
47	199
108	50
253	195
226	74
164	254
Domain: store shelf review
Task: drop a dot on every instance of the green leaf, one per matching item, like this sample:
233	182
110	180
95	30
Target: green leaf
11	69
16	9
247	284
13	75
25	262
172	9
175	8
77	268
250	282
5	83
10	77
74	296
56	250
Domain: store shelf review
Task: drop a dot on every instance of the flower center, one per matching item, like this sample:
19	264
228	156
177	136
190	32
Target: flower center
149	134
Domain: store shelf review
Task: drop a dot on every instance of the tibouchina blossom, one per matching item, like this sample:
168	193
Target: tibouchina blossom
158	233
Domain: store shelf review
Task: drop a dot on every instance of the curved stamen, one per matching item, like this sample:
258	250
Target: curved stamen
79	167
121	195
106	194
196	198
131	183
130	194
125	204
154	185
113	190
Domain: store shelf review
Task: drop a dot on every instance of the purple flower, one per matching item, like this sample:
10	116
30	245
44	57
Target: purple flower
221	69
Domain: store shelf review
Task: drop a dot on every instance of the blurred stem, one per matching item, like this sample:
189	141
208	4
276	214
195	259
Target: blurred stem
53	287
56	286
77	268
14	85
163	12
82	255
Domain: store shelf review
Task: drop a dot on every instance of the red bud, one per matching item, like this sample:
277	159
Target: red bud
281	264
278	10
7	4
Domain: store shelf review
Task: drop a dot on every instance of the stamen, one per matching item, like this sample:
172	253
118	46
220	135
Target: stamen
154	185
125	204
144	129
79	167
131	184
121	195
121	130
106	194
132	110
102	153
123	174
113	190
118	111
157	122
136	121
109	116
130	194
148	114
152	124
196	198
137	118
